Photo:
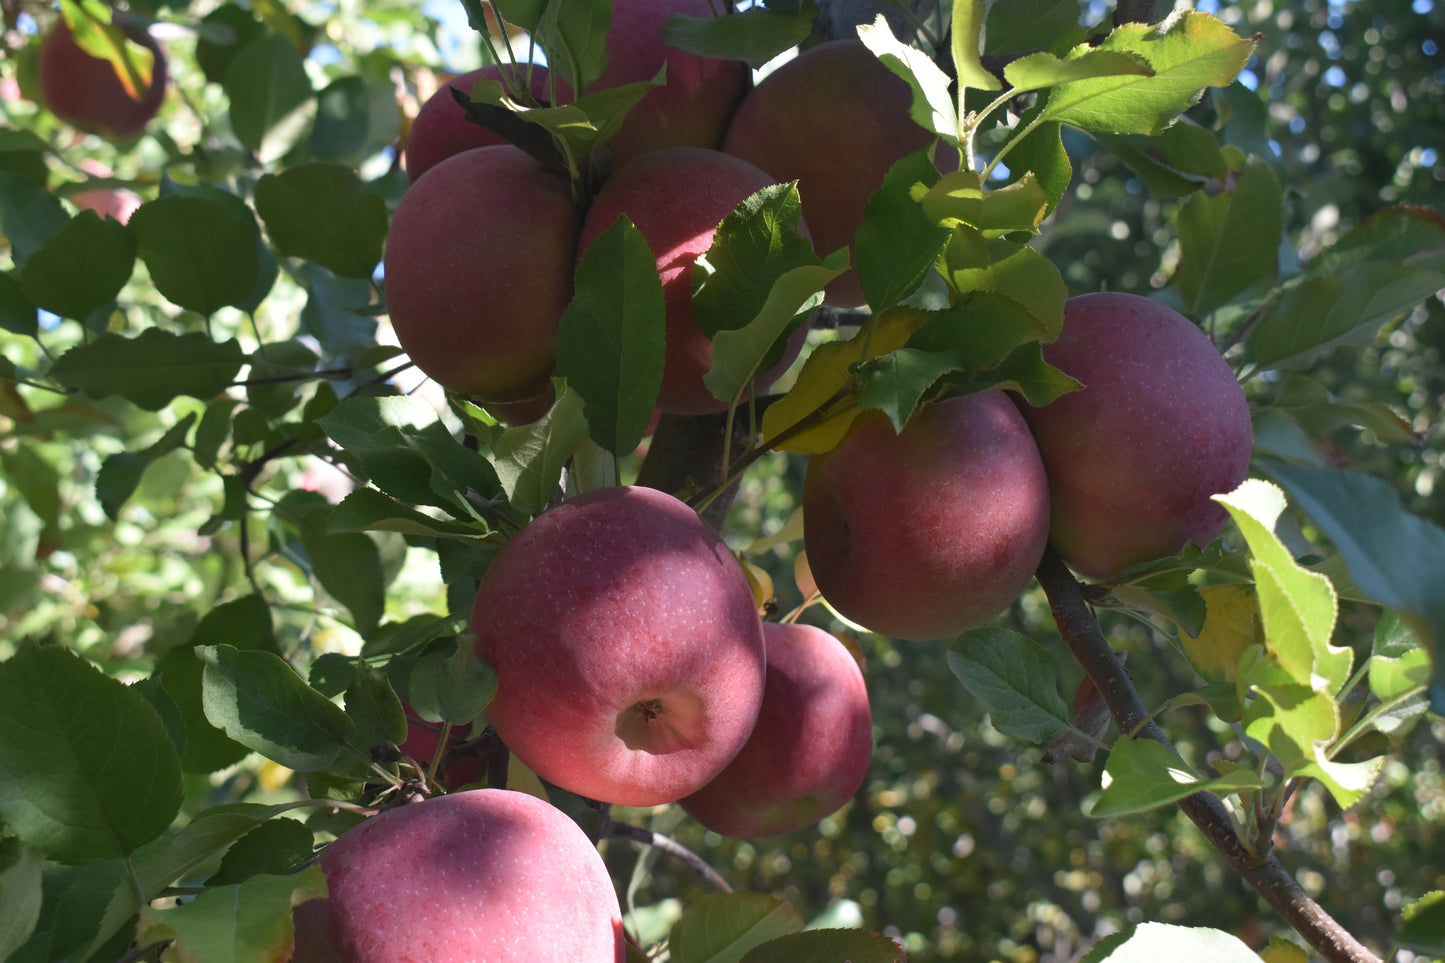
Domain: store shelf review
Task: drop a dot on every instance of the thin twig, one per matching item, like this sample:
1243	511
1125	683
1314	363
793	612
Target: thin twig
646	837
1081	632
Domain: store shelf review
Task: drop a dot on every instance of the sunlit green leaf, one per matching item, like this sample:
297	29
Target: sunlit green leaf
721	927
1142	774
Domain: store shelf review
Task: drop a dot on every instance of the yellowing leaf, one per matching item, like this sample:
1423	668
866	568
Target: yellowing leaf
826	392
1231	625
761	583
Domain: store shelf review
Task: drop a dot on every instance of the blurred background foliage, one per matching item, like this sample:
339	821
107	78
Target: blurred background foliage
962	843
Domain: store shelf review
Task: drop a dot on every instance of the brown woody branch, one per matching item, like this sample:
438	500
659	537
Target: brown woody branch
1081	632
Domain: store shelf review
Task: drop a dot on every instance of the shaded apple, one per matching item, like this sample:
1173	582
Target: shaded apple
421	743
809	751
487	874
628	650
478	267
676	198
113	202
87	92
834	119
1160	425
931	531
441	127
693	106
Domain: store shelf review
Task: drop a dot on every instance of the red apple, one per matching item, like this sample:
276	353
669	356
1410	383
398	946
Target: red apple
676	198
441	128
931	531
628	650
693	107
113	202
487	874
88	93
478	266
809	751
835	120
1160	425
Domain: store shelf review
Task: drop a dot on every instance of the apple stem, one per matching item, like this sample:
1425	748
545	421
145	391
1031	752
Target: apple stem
1263	871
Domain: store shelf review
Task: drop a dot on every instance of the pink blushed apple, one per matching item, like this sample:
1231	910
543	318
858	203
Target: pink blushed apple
627	646
441	128
931	531
1133	457
809	751
487	874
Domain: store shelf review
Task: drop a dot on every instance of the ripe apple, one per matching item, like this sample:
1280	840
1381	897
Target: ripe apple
931	531
1160	425
478	264
113	202
88	93
693	106
487	874
809	751
628	650
676	197
835	120
441	128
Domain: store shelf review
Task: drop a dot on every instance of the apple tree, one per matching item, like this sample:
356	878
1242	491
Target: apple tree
638	473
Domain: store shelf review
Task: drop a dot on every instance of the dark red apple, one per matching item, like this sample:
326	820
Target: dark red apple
931	531
88	92
809	751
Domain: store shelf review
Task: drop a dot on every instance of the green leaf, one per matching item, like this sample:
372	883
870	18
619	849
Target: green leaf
827	946
1040	153
721	927
244	622
1015	679
1298	607
152	368
1405	233
400	444
1038	70
106	248
17	312
896	243
1320	312
199	253
1029	282
1290	720
1163	941
1029	24
235	924
610	340
343	119
967	26
1026	372
121	473
451	686
74	908
959	198
739	354
272	102
1173	163
1393	557
1142	774
20	894
374	708
260	702
348	565
1231	625
1423	926
1228	243
529	458
29	215
754	36
932	107
897	381
574	35
755	245
276	846
81	787
1399	661
1188	52
368	510
324	213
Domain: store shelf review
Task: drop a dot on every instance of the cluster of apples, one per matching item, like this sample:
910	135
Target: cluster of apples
633	668
482	247
934	530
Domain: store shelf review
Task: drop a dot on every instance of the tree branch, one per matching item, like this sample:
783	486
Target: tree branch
1081	632
646	837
